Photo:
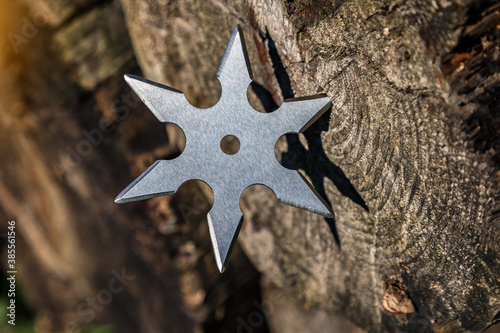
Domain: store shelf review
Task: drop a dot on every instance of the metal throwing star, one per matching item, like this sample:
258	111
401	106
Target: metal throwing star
203	159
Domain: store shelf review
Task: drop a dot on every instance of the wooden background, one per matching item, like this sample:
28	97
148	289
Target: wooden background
408	157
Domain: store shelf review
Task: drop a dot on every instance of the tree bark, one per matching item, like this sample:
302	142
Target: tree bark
408	158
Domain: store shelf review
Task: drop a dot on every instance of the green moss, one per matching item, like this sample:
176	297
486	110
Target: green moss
302	4
98	329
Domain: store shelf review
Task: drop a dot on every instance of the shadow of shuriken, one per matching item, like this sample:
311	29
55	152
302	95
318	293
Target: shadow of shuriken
313	161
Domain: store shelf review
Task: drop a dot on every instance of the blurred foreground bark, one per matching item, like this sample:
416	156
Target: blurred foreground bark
408	158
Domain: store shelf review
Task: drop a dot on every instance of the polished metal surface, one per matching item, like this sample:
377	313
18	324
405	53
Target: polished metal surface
203	158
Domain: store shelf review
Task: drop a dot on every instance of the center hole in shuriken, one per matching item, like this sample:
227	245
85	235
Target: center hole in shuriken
230	144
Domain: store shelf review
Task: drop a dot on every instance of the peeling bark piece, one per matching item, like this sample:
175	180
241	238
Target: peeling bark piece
395	298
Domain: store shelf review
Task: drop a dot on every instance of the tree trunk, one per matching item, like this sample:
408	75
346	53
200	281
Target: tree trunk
408	157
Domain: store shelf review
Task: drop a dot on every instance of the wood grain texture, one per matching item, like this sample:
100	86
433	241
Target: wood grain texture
393	133
407	157
426	195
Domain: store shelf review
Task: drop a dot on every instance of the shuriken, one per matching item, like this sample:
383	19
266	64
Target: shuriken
203	159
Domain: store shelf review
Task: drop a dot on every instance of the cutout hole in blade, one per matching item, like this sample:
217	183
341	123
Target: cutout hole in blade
206	98
192	201
295	158
261	99
230	144
176	138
